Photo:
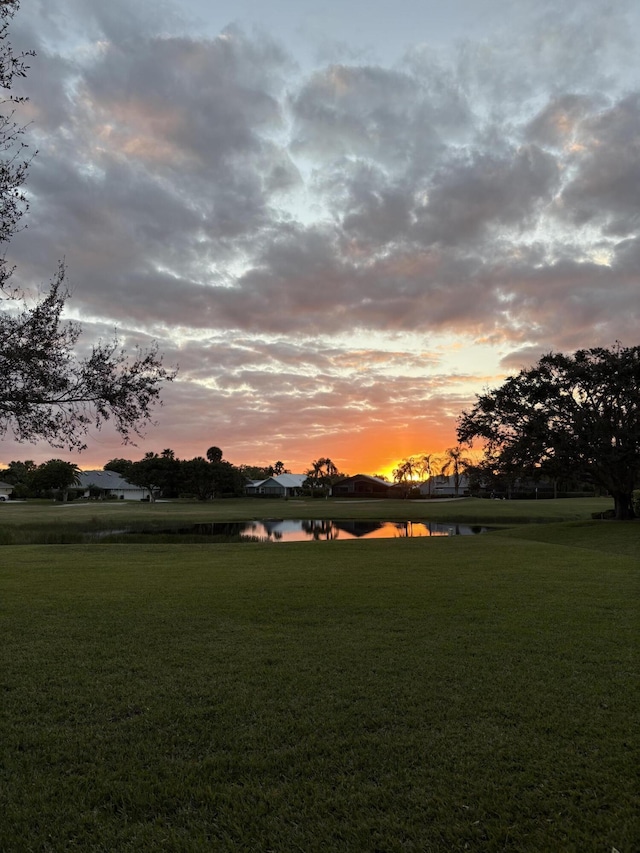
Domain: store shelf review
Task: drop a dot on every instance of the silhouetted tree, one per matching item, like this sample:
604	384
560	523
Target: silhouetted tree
321	475
455	462
574	414
429	466
120	466
56	475
148	473
214	454
199	478
21	477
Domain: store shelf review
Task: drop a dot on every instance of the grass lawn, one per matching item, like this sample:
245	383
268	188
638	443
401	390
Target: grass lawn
475	694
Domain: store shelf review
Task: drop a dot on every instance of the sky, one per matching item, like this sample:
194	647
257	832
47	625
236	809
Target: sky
341	221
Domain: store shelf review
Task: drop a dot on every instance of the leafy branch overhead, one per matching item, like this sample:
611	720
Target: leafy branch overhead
48	391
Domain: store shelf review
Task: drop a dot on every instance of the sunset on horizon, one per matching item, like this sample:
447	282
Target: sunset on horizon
340	226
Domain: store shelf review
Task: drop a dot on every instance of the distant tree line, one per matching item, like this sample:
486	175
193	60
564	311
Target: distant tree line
162	474
54	478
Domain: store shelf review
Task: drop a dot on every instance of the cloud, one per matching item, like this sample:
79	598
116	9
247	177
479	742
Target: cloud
255	216
607	169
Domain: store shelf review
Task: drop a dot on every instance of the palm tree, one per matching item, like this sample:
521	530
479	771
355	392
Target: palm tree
330	468
57	475
405	472
314	473
322	474
457	463
429	467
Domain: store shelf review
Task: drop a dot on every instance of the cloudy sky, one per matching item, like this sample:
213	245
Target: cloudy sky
341	220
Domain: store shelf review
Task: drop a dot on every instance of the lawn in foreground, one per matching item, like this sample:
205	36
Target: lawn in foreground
407	695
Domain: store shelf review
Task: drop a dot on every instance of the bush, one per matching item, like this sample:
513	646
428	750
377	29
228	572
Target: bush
21	492
607	514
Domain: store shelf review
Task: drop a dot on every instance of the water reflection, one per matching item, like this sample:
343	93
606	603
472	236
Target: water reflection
304	530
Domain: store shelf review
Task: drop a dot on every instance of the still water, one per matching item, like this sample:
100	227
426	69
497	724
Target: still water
303	530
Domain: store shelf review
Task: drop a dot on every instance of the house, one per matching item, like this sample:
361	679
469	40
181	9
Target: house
109	484
6	490
364	486
280	486
443	486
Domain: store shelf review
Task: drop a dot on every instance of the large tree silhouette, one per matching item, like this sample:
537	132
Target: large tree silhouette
569	414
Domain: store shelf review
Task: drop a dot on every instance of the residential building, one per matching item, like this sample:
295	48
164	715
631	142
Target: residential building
109	484
363	486
444	486
280	486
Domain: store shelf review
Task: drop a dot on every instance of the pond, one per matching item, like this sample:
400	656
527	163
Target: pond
305	530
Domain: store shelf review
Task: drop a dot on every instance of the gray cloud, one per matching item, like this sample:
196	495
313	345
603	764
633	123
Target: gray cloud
607	166
209	192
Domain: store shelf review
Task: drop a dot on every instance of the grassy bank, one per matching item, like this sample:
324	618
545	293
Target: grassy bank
56	523
467	694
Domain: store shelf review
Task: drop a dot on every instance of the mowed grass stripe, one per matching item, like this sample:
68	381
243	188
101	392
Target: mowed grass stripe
475	694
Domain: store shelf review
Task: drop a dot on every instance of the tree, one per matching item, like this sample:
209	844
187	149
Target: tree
120	466
255	472
160	474
429	467
455	462
14	166
148	473
228	479
46	390
19	472
322	474
569	414
406	471
404	474
206	479
57	475
314	474
199	478
214	454
21	476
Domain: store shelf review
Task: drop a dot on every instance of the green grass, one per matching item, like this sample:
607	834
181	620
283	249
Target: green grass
410	695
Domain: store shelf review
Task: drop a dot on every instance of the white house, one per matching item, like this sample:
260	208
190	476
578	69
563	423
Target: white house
6	490
111	485
281	486
443	486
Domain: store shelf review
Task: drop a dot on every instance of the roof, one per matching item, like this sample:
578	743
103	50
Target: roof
371	479
104	480
287	481
290	481
4	485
